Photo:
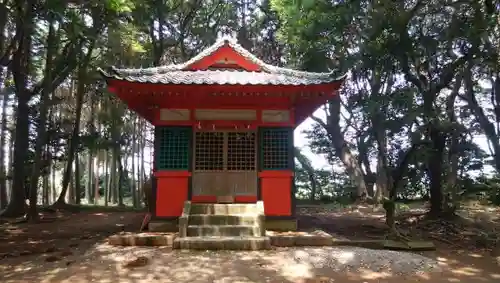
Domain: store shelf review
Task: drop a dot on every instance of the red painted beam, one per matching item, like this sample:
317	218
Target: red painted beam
146	98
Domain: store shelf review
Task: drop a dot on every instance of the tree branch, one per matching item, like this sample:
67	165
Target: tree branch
448	74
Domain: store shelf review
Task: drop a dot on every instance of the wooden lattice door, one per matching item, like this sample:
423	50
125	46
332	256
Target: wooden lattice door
225	164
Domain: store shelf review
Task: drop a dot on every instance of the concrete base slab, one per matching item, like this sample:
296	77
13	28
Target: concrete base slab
223	243
289	239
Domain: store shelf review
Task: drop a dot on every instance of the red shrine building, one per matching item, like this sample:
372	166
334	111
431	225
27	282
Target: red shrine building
224	123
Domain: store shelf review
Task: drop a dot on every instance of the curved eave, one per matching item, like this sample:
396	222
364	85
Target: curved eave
105	74
265	67
156	81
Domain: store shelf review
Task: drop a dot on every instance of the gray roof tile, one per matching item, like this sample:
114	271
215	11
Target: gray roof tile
180	73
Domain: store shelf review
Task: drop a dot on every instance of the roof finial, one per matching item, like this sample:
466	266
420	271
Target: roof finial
226	37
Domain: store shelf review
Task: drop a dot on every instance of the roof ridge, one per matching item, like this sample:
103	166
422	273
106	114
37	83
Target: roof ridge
222	41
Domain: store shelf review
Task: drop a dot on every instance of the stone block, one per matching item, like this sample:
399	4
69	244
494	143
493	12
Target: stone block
223	243
211	219
142	239
223	209
163	226
313	240
183	224
281	224
283	241
222	230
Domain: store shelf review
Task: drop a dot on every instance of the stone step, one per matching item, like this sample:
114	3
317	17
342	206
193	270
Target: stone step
223	230
223	243
224	209
235	219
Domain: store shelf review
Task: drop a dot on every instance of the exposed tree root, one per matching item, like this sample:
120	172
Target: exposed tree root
441	239
12	211
64	206
443	215
396	235
19	220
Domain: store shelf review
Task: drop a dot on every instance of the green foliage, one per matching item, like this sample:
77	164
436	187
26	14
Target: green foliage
120	6
396	54
488	187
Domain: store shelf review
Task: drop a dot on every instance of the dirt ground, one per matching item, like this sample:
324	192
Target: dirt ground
71	248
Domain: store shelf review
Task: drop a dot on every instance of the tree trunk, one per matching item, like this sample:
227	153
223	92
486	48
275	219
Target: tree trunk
16	206
114	176
396	177
115	157
452	202
45	175
90	154
134	143
5	100
488	127
435	170
41	141
383	176
307	166
382	180
53	185
106	177
364	160
61	200
143	131
435	159
97	163
20	70
342	149
45	189
78	191
70	196
75	135
90	177
3	145
121	175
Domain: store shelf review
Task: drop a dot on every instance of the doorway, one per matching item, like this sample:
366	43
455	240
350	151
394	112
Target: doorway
225	165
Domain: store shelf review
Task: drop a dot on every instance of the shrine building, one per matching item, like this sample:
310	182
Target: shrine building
224	123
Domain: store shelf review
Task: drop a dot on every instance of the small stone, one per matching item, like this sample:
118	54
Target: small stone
50	249
52	258
138	262
25	252
66	253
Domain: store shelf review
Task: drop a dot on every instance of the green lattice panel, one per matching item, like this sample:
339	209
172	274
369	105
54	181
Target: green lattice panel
275	145
173	148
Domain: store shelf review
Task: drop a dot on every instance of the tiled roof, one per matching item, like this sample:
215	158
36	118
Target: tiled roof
180	73
219	77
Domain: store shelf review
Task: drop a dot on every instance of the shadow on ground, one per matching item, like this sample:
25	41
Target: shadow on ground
104	263
80	255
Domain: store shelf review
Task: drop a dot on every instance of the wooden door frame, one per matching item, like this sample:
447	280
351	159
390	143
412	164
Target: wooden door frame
235	197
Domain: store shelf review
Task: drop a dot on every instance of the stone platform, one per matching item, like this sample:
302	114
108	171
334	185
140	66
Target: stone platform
272	238
222	226
240	227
